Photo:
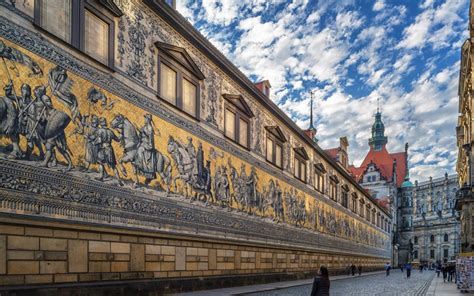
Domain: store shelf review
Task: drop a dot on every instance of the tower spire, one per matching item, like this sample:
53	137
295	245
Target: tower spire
378	139
311	125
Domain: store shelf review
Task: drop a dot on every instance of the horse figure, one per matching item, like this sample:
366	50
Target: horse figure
9	124
130	141
194	186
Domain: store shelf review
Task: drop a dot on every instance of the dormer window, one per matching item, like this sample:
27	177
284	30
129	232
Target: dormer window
87	25
237	116
179	78
301	157
274	145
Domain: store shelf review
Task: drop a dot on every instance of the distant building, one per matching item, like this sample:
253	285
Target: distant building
424	226
428	229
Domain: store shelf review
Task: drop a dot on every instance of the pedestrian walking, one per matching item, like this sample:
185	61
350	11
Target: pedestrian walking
321	283
408	269
353	269
438	269
388	267
450	273
421	268
360	270
401	267
444	270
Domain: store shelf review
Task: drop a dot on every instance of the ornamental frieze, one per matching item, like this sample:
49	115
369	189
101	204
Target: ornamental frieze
103	145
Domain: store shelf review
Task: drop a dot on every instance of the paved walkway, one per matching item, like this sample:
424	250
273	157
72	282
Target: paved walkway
268	287
439	288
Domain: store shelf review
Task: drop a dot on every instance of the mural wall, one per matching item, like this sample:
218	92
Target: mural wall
57	120
53	117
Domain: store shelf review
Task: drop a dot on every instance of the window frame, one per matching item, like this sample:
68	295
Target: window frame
345	196
275	134
301	158
238	116
181	73
78	34
333	188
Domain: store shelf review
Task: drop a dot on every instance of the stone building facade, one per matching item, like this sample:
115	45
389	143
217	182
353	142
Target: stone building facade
464	133
428	222
132	149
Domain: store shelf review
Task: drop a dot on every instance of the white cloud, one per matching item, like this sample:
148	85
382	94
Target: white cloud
379	5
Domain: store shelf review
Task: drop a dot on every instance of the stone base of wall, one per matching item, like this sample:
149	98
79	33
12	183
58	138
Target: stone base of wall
57	258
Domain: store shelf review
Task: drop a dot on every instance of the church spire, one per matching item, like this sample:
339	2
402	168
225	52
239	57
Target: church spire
311	125
407	183
378	139
311	131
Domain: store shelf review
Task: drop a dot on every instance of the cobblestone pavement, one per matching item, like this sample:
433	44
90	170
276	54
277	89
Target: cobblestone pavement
395	284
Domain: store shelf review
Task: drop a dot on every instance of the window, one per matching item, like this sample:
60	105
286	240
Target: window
446	237
415	254
432	239
361	209
354	202
445	253
178	78
274	145
96	43
367	212
237	120
300	169
319	177
168	84
432	254
300	163
56	18
333	189
87	25
415	240
344	198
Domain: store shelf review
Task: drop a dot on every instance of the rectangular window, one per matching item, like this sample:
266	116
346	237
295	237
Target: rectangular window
56	18
344	201
270	153
189	97
243	132
300	169
168	84
96	37
415	254
278	155
230	124
432	254
297	168
446	253
354	205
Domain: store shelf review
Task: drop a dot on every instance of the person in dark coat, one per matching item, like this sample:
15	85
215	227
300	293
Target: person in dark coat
408	269
353	269
321	283
359	268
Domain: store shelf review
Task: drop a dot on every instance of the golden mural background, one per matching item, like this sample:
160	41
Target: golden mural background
305	211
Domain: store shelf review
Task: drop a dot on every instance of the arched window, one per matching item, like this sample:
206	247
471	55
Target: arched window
432	239
446	237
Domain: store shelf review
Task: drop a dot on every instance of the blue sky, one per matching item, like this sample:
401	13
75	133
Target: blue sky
350	53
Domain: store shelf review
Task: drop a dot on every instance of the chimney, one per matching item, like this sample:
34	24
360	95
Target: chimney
343	143
264	86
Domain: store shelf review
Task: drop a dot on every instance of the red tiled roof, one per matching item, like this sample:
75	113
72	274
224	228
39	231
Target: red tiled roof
384	162
384	202
332	152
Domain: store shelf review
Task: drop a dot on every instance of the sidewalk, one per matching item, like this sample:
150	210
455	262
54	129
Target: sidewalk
440	288
266	287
